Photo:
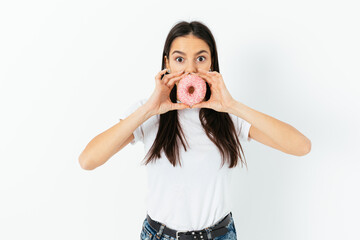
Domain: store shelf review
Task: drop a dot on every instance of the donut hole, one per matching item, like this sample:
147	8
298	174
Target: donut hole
191	89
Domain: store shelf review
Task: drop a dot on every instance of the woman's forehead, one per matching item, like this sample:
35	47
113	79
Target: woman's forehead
189	44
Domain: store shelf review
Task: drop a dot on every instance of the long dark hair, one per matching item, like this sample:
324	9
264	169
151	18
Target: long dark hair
218	125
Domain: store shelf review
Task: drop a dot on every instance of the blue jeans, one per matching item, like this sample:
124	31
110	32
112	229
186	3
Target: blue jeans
148	233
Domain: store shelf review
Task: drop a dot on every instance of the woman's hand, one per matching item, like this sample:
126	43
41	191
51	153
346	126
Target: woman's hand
159	102
220	99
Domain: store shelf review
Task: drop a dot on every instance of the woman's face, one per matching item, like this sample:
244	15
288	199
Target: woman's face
188	53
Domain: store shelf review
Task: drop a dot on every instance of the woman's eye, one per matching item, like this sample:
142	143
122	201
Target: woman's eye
203	58
177	58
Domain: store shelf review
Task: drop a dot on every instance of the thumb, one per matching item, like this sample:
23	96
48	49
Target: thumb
180	106
199	105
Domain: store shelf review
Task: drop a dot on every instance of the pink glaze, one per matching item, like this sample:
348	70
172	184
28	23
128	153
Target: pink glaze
199	86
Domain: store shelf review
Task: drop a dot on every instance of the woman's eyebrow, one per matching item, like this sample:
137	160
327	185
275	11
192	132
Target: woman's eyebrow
180	52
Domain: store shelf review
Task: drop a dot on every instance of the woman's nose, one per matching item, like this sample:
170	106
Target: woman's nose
191	70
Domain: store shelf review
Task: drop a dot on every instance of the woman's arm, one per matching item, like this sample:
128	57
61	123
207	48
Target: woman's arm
102	147
272	132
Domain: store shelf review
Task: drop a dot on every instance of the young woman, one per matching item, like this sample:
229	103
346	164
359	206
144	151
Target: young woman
187	147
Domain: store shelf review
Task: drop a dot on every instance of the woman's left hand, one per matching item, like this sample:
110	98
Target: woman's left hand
220	99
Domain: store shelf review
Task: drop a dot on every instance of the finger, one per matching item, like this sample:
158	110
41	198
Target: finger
171	75
207	78
203	71
208	72
198	105
169	82
175	79
180	106
158	76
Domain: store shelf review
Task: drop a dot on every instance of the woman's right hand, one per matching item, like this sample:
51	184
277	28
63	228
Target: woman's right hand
159	102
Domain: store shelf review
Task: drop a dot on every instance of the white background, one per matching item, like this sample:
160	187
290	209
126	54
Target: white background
69	68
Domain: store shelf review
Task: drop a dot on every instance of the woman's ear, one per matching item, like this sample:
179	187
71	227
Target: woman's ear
166	63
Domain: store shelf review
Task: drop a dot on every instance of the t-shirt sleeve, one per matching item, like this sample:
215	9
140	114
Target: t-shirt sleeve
138	132
242	128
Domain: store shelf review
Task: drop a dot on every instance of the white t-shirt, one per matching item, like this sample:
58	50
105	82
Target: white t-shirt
195	195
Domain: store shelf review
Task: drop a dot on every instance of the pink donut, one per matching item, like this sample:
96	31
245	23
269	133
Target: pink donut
191	89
